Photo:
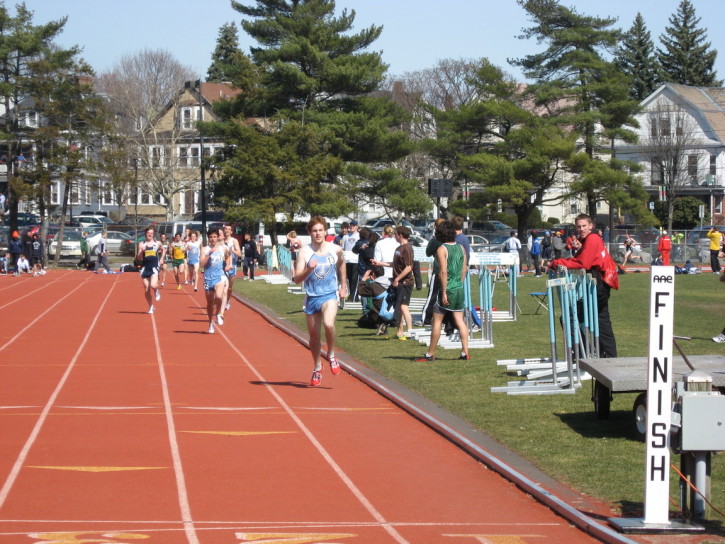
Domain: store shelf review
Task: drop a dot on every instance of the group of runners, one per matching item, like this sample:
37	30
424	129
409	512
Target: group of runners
218	261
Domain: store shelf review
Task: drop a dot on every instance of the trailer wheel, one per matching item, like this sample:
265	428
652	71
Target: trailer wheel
640	416
602	400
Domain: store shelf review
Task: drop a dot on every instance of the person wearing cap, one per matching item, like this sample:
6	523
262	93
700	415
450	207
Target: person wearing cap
664	247
348	241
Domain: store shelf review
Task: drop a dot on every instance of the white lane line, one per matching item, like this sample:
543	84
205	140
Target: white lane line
34	321
12	477
357	493
43	286
182	493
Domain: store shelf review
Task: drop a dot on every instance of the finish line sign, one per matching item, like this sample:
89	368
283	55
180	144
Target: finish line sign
659	394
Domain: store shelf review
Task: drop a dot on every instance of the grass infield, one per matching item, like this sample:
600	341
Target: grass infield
559	433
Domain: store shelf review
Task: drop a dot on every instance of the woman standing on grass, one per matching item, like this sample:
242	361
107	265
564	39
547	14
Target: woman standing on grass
214	259
452	266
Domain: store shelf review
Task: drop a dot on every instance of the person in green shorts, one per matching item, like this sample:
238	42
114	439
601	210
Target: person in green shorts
178	258
452	266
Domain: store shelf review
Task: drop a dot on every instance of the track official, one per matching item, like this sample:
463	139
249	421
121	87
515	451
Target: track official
590	257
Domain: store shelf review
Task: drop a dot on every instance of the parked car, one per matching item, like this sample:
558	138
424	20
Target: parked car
116	241
486	227
418	241
379	224
92	220
71	246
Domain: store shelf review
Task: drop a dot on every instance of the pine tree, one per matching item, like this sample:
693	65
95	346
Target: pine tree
226	56
686	57
578	84
313	109
636	58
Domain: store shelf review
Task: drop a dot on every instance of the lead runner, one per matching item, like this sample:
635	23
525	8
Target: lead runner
321	266
151	254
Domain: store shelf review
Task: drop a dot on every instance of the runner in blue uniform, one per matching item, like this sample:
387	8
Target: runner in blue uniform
151	254
214	259
321	266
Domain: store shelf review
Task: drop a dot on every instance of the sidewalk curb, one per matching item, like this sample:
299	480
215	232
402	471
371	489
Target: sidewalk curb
473	441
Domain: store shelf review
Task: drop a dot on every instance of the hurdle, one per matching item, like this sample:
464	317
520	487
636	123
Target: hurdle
560	373
509	262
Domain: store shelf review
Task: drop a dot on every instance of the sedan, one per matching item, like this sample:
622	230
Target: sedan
71	246
116	242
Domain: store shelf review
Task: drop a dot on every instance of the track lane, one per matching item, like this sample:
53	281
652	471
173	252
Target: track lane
260	452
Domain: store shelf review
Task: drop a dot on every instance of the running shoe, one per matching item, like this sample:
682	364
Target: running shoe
151	309
334	365
400	337
195	288
220	319
211	328
316	378
178	286
162	283
382	329
425	358
228	306
158	295
720	338
464	357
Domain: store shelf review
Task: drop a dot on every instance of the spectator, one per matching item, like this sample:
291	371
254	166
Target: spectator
512	245
348	241
402	282
251	256
715	237
22	266
102	254
536	254
15	248
37	251
453	267
384	252
664	246
85	262
434	285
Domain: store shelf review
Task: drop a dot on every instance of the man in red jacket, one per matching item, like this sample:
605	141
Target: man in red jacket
664	247
590	257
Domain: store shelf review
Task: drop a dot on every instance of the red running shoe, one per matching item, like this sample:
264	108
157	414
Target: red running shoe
334	365
316	378
425	358
464	357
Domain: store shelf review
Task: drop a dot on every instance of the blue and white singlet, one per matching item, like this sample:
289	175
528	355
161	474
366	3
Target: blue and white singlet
323	278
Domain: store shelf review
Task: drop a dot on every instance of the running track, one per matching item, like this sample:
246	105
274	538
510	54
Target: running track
120	426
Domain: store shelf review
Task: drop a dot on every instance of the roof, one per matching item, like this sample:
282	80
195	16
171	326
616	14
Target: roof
708	101
214	92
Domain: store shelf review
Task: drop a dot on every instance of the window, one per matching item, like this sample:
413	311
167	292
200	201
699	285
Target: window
665	127
55	193
692	166
656	171
713	164
107	194
188	116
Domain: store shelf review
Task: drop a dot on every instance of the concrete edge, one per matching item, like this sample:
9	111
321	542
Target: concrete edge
472	440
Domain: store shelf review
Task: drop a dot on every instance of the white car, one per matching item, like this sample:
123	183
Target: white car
71	246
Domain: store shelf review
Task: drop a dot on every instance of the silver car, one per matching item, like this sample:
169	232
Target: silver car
116	241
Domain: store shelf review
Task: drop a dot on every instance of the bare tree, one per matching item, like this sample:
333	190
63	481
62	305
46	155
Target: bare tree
673	148
144	90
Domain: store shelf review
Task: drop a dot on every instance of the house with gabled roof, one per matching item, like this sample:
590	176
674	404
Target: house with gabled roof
682	143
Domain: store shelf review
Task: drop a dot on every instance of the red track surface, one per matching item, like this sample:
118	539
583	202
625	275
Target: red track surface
120	426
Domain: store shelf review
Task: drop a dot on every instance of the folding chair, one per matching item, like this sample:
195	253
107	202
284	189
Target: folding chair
540	298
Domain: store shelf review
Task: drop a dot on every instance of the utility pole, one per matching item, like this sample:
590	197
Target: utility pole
201	163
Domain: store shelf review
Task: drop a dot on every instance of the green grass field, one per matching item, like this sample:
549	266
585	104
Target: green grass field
559	433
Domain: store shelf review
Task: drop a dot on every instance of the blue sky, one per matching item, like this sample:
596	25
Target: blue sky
416	33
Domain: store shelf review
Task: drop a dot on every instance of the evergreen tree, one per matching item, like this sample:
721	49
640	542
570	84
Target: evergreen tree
22	46
636	58
227	57
686	57
310	99
575	81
